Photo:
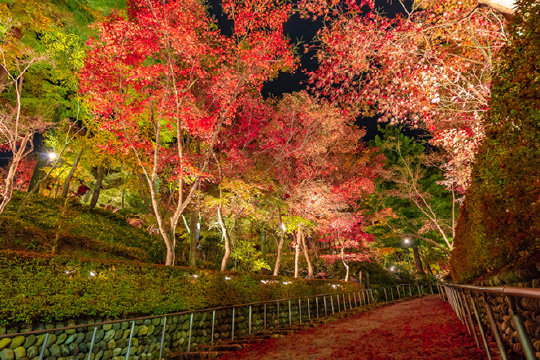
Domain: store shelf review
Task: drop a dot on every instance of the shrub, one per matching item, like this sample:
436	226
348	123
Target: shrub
37	287
499	222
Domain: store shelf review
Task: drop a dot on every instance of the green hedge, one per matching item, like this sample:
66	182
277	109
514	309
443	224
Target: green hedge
35	287
499	222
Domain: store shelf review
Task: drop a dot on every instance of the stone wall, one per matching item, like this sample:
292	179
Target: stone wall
529	309
112	340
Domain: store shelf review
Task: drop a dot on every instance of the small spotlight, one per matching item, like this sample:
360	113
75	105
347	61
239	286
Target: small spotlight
392	268
283	227
227	278
92	273
51	155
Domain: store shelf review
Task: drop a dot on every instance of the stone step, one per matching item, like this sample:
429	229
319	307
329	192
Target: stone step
225	347
196	355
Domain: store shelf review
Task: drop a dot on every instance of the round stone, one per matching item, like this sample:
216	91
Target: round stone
55	351
4	343
32	352
16	342
111	344
7	354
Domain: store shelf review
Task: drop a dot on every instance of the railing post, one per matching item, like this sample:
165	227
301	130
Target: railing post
337	300
350	303
480	325
355	301
190	331
360	298
249	320
44	345
469	316
264	316
300	310
410	291
332	303
522	332
385	295
162	338
398	292
308	310
278	314
130	337
232	326
325	312
494	328
317	305
290	315
214	324
372	299
91	349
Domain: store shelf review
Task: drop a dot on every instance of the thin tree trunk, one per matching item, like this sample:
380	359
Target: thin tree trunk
41	162
418	261
345	264
193	240
306	255
227	241
60	225
97	187
70	175
18	155
280	245
296	254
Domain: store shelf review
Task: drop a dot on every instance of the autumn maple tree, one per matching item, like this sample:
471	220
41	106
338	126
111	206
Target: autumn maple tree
429	67
164	81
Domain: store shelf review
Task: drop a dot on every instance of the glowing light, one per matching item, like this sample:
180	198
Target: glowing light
227	278
392	268
407	241
92	273
283	227
51	155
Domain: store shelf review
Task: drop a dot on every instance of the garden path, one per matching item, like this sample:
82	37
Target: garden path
424	328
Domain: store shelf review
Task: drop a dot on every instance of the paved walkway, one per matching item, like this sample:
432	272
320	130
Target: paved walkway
424	328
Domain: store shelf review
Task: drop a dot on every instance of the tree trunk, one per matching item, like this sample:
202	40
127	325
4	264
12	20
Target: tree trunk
306	255
296	253
193	240
418	261
60	225
41	162
227	241
97	188
70	175
345	264
279	247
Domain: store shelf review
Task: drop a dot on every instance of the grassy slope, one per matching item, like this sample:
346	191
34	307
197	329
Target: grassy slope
92	233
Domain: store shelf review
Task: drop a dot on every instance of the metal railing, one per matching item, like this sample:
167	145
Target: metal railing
402	289
465	300
325	304
360	298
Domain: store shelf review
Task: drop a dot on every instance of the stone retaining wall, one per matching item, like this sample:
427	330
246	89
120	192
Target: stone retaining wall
112	340
529	309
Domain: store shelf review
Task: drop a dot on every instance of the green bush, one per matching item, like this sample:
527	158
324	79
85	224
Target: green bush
499	222
95	229
37	287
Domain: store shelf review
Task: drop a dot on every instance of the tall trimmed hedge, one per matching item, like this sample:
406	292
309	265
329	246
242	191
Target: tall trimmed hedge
500	222
35	287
